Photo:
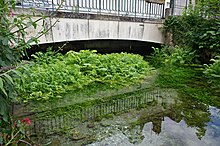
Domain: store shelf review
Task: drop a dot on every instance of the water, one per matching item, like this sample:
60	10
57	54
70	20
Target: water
171	121
172	134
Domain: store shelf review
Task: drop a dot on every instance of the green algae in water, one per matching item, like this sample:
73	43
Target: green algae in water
179	119
181	122
189	81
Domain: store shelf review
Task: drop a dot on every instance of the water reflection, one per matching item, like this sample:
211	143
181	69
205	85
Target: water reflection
168	120
180	133
193	113
185	123
168	132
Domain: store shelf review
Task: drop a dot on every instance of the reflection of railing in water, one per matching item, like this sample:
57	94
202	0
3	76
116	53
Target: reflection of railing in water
48	124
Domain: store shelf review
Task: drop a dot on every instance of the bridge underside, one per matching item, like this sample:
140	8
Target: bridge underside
102	46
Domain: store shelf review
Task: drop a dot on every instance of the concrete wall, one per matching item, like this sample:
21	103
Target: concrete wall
73	29
81	29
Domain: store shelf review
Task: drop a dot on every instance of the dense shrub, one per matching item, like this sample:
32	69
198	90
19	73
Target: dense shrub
52	75
198	28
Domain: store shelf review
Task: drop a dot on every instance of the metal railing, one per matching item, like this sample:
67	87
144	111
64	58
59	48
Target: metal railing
128	8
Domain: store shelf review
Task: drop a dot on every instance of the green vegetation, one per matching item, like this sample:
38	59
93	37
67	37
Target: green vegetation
50	78
198	28
13	45
169	56
174	77
213	71
51	75
196	34
187	78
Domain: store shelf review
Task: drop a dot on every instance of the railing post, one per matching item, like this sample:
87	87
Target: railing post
77	6
118	7
150	9
109	6
163	11
100	7
186	4
135	7
124	6
172	6
52	5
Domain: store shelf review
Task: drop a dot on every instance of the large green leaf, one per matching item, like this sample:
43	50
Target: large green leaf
9	78
4	108
2	87
1	83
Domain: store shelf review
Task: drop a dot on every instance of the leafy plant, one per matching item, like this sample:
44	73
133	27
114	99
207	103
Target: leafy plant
168	56
213	71
13	33
13	45
52	74
6	92
209	8
198	28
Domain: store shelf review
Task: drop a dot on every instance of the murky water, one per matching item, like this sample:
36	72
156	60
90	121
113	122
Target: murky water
169	121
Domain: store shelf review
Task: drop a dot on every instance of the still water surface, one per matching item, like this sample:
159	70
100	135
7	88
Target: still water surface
170	120
172	134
